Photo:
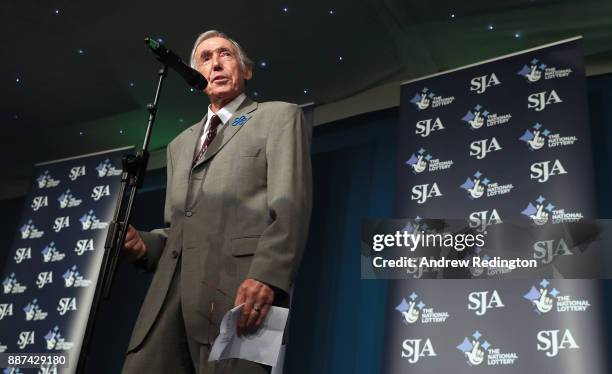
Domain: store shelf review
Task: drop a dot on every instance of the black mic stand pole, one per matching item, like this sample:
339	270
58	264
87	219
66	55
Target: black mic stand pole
134	168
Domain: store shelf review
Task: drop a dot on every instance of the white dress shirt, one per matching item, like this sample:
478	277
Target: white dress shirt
224	114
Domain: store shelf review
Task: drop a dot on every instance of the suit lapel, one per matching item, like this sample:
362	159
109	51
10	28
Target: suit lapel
227	132
188	148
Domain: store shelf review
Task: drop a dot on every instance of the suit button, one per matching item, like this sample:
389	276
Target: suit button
174	253
188	213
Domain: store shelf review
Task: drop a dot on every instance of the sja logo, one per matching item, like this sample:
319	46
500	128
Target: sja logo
77	171
39	202
48	369
483	219
414	349
480	84
61	223
480	148
23	254
25	338
542	171
6	310
482	301
539	100
44	278
551	342
427	126
548	250
100	191
66	304
422	192
84	245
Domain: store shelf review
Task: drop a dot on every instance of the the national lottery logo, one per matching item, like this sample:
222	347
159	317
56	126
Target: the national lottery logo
541	212
482	83
6	310
33	312
422	160
25	338
61	223
89	221
428	99
84	245
44	278
12	370
553	341
55	341
479	117
545	298
540	100
12	286
477	350
39	202
478	186
416	310
99	192
3	348
67	200
45	180
536	70
66	304
423	192
29	231
52	254
76	171
537	137
72	278
22	254
106	169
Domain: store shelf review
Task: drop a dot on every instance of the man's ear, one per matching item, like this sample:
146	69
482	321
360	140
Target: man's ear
248	72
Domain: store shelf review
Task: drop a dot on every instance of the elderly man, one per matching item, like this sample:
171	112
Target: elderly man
238	204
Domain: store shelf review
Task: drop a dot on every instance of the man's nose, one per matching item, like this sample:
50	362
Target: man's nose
216	63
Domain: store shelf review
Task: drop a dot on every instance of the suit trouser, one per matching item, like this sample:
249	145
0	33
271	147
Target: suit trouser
167	347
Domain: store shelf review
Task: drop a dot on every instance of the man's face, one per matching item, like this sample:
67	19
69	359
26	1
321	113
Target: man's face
217	60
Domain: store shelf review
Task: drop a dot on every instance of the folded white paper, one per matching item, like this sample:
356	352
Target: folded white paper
263	346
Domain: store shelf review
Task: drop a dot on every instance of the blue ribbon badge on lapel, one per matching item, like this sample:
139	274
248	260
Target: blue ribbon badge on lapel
240	121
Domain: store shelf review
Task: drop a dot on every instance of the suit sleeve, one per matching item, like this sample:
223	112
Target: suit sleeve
155	240
289	194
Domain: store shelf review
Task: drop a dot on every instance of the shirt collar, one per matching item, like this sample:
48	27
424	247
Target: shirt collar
228	110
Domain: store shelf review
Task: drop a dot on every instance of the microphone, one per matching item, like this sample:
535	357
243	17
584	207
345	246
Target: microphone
169	58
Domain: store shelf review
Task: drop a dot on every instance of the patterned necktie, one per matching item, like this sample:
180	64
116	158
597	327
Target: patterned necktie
215	121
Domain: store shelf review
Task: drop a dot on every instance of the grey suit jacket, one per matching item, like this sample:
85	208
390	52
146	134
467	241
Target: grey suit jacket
241	212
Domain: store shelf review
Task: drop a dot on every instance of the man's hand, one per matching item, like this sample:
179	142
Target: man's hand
257	298
133	248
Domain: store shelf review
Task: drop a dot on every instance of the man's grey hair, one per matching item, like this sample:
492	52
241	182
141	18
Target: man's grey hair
242	56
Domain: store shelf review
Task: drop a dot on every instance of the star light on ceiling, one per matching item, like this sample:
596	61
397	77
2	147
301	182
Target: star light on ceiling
332	12
490	27
285	9
306	91
518	34
263	63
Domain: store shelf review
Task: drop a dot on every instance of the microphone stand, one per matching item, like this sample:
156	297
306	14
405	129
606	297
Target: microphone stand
134	168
